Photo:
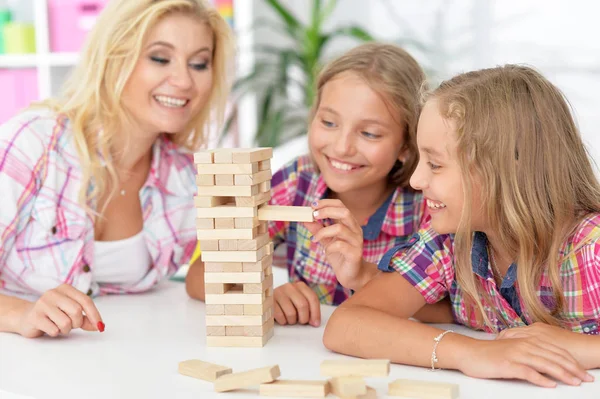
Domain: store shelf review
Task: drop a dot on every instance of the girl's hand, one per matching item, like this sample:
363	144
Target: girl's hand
523	358
342	241
58	311
584	348
296	303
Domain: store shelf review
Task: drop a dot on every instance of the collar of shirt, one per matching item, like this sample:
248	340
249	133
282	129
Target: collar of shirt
481	262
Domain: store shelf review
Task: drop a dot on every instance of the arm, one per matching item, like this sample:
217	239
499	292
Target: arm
11	310
194	280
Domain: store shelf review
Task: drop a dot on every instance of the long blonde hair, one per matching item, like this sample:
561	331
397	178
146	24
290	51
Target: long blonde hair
396	76
91	97
515	132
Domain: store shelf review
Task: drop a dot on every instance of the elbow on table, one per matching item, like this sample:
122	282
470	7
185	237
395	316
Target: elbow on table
333	335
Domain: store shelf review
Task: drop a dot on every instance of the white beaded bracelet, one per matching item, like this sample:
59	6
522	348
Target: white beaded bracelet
434	358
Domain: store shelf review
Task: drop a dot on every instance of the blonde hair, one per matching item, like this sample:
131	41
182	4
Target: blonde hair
91	97
397	77
515	132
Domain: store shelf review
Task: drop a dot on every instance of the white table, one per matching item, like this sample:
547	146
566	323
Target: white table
147	335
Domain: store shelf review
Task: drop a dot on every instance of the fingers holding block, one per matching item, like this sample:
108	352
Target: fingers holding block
230	382
202	370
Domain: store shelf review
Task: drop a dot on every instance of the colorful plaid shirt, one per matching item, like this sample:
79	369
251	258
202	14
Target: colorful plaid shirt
46	236
427	263
299	184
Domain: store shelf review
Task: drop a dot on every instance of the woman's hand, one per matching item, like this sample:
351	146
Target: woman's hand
296	303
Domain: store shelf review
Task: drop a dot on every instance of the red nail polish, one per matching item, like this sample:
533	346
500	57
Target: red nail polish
100	326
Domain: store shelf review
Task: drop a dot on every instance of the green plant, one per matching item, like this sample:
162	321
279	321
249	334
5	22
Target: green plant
280	69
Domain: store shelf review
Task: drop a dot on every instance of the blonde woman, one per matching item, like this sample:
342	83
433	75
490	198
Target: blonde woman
514	240
98	184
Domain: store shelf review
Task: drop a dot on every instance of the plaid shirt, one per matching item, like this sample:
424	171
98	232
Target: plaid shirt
46	237
427	263
298	183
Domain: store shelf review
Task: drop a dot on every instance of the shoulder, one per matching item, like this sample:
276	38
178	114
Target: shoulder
175	168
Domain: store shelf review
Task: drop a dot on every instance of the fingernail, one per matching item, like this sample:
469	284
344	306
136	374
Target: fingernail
315	203
100	326
576	381
589	377
316	213
316	323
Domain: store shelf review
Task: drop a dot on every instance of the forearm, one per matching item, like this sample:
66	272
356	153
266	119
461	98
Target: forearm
368	271
586	350
440	312
11	310
194	280
369	333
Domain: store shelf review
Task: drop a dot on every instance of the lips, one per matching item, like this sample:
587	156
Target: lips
171	102
343	166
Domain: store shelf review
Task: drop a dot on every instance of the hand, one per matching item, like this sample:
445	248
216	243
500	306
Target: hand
523	358
58	311
296	303
342	241
582	347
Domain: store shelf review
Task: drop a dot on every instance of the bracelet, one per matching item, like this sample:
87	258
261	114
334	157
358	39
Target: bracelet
434	358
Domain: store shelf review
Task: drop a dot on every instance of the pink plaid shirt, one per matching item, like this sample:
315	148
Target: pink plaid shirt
46	237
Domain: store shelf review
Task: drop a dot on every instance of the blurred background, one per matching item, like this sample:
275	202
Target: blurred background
282	44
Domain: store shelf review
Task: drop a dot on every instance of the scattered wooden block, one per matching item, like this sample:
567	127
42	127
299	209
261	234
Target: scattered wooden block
258	242
251	155
258	266
230	382
250	277
206	180
358	367
234	310
223	180
227	234
227	211
423	389
371	394
227	169
239	342
348	386
216	310
202	370
253	200
209	245
228	191
202	201
224	223
222	267
286	213
257	288
295	388
250	180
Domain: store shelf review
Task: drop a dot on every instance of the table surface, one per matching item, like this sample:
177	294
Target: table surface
148	334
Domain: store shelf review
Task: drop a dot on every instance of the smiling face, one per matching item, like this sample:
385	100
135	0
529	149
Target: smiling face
353	137
172	79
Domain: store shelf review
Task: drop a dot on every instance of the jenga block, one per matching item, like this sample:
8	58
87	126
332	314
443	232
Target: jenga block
257	288
227	169
250	155
264	186
228	245
423	389
227	320
202	201
240	342
206	180
250	180
237	278
295	388
227	211
234	298
224	223
202	370
223	180
260	309
217	288
264	165
223	267
227	234
209	245
216	310
246	223
228	191
257	331
348	386
258	242
286	213
230	382
235	256
215	330
205	156
361	368
258	266
235	331
205	224
234	310
223	155
262	228
371	394
253	200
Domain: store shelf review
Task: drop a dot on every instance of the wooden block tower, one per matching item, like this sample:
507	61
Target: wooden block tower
234	186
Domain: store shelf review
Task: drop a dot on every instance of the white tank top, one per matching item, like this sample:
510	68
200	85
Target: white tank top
121	262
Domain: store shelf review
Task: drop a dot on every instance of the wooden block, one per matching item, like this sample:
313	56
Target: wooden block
257	288
205	224
295	388
230	382
228	245
250	180
258	266
228	191
348	386
253	200
264	186
222	267
423	389
234	320
217	288
224	223
371	394
223	180
258	242
250	277
239	342
202	201
234	331
286	213
227	211
205	156
234	298
264	165
260	309
234	310
227	234
228	169
235	256
250	155
246	223
223	155
360	368
262	228
206	180
258	331
209	245
216	310
202	370
218	331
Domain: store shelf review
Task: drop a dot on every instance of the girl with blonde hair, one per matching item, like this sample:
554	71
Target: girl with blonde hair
98	183
513	240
